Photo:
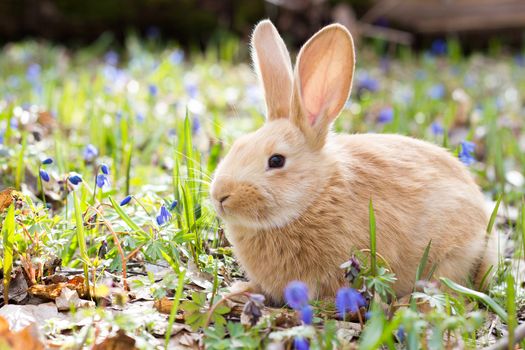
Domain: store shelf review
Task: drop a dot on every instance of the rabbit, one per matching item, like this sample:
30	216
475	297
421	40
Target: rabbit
295	196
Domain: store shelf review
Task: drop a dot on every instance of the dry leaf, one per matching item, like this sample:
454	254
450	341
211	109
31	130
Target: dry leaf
22	340
120	341
6	198
53	291
69	298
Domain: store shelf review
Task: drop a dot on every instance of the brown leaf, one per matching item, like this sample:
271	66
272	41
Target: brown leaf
23	340
53	291
6	198
120	341
163	305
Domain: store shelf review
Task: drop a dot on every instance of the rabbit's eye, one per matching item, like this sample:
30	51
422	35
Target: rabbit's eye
276	161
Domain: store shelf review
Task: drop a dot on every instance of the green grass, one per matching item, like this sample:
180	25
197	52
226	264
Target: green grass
162	125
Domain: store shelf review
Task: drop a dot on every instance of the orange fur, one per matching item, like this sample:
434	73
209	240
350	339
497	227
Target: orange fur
301	222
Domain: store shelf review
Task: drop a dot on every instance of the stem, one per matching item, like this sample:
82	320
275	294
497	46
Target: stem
117	244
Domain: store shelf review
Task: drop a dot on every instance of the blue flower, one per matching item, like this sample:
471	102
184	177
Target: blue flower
111	58
437	129
174	205
192	89
101	180
439	47
296	295
75	179
436	92
140	117
301	343
466	152
196	125
348	300
153	90
386	115
164	216
125	201
177	56
307	314
44	175
401	334
33	72
47	161
367	83
90	153
105	169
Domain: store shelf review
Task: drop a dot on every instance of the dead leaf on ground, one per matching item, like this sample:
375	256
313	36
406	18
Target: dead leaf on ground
120	341
20	316
6	198
53	291
69	298
25	339
164	306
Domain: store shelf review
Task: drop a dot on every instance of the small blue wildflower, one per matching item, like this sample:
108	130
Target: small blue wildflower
101	180
47	161
44	175
436	92
153	90
301	343
174	205
105	169
437	128
111	58
439	47
520	60
195	125
33	72
348	300
307	314
164	216
13	123
367	83
192	89
296	295
401	334
90	153
177	56
75	179
386	115
125	201
466	152
140	117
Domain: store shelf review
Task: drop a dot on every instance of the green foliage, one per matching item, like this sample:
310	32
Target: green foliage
196	311
8	236
238	337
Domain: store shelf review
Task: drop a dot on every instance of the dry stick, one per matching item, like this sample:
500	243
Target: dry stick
119	247
519	334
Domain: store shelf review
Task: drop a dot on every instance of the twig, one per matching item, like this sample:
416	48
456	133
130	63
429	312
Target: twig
503	343
217	304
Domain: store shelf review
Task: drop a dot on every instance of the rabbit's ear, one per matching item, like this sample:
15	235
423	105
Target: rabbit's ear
274	69
322	81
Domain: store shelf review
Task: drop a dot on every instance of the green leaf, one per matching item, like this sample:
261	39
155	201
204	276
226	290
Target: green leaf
125	217
488	301
493	215
423	262
372	221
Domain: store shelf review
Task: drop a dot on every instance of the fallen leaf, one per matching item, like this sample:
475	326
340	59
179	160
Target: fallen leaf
20	316
6	198
69	298
53	291
25	339
121	341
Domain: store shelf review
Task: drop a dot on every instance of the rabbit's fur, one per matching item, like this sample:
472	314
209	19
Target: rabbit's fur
302	221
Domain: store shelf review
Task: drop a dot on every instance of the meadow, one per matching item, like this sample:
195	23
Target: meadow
106	155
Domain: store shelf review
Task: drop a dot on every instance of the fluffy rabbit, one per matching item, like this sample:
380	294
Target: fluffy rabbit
295	196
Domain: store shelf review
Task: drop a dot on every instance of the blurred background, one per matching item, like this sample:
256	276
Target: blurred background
199	23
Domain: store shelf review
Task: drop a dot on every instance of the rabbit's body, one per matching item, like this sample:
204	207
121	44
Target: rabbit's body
419	193
295	198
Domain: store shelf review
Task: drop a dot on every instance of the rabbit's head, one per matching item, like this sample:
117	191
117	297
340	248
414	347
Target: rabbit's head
270	176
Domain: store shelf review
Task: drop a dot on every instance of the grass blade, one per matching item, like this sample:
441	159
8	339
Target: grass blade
81	239
423	262
493	215
125	217
488	301
8	236
175	307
